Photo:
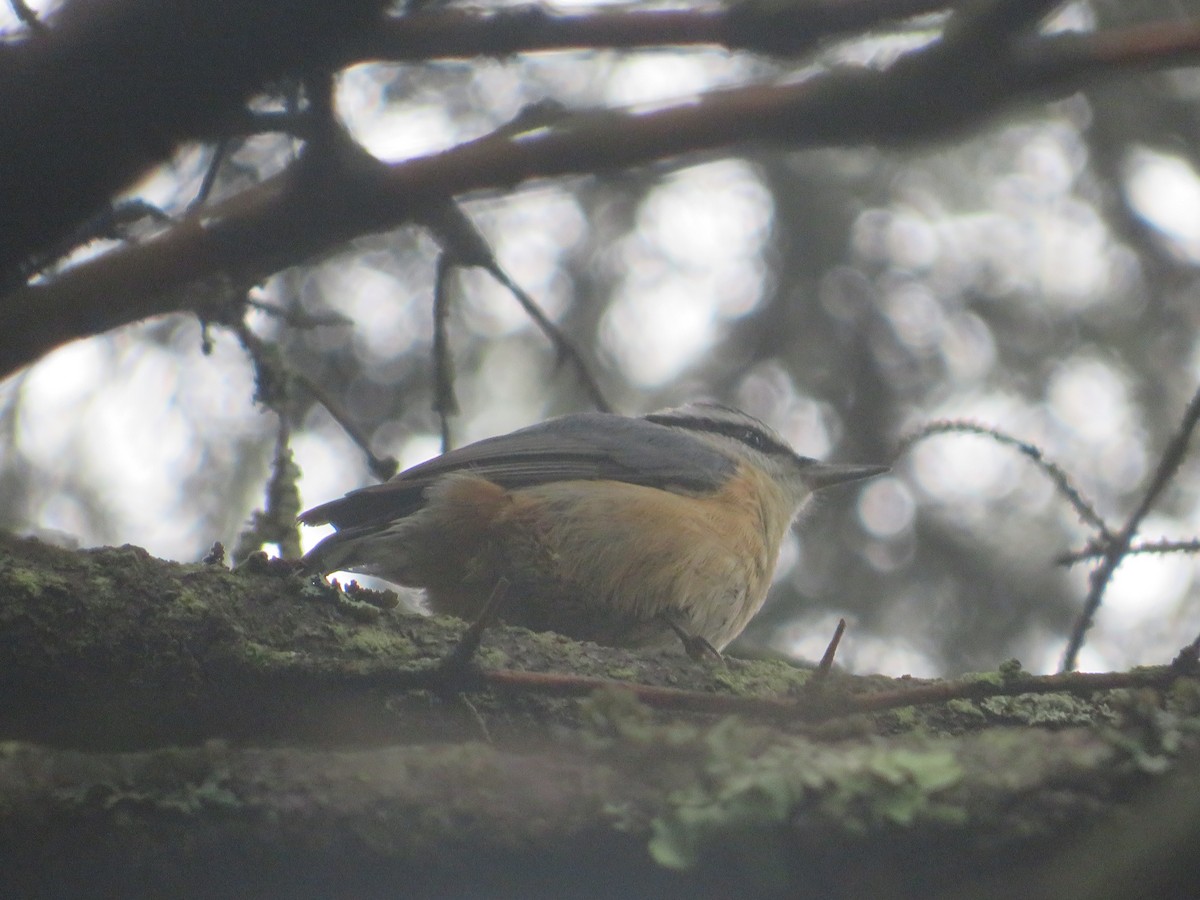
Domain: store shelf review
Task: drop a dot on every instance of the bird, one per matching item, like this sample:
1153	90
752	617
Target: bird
624	531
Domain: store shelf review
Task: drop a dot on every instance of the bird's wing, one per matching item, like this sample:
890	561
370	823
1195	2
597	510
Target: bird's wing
585	446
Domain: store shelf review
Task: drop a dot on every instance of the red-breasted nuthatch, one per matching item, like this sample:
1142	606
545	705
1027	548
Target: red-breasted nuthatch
606	528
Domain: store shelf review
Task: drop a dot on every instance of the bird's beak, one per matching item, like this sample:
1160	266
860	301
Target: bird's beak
823	475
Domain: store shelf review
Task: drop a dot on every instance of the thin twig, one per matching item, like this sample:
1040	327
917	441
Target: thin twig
808	707
219	154
125	213
382	467
1095	551
269	377
826	662
473	711
1061	480
279	375
1118	545
28	17
466	246
300	318
113	222
445	403
823	707
276	521
564	347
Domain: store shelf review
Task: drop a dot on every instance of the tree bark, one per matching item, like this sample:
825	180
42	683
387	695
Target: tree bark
189	731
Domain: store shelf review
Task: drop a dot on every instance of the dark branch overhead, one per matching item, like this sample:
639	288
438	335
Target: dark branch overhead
112	87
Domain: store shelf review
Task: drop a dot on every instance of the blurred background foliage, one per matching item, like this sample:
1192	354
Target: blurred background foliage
1038	276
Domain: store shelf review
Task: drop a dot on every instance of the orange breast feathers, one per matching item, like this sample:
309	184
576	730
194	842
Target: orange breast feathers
597	549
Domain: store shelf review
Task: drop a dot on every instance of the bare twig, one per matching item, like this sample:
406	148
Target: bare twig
382	467
563	346
448	676
465	245
269	374
274	376
113	222
445	403
1061	480
246	123
1094	550
299	318
219	153
28	17
1116	546
826	662
824	706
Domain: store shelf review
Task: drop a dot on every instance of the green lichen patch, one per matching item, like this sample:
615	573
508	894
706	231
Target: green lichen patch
760	677
752	785
1058	710
32	583
613	717
966	709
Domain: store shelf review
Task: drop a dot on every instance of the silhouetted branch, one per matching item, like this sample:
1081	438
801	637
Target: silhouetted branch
1054	472
465	246
943	87
27	16
768	28
382	467
1118	545
445	403
1095	550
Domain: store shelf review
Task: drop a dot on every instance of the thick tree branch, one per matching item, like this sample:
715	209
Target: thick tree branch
352	769
110	87
626	812
75	155
293	217
763	27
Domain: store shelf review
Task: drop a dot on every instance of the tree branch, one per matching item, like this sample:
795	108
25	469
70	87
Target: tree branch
294	217
785	29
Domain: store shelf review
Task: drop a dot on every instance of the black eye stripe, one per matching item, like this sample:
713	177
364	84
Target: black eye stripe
739	431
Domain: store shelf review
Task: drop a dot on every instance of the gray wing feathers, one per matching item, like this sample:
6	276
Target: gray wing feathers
585	446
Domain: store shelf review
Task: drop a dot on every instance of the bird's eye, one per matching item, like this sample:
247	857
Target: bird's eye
753	438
